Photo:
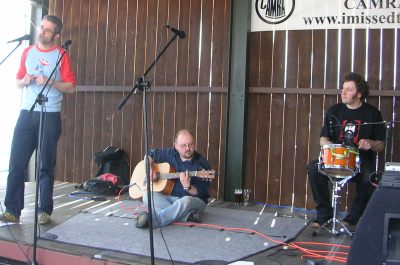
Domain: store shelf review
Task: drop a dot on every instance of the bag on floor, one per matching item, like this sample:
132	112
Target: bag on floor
102	186
113	160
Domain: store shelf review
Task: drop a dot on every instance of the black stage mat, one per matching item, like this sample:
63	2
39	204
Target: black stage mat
225	234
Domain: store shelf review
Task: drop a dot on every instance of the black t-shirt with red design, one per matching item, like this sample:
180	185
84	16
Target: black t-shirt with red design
347	126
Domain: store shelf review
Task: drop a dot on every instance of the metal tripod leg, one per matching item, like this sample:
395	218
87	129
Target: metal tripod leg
335	230
335	221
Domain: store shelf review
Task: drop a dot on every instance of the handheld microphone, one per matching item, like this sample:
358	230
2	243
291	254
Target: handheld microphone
66	44
180	33
25	37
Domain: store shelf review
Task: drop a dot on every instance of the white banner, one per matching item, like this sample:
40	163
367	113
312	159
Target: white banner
267	15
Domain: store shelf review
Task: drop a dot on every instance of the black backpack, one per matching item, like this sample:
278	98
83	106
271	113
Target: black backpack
113	160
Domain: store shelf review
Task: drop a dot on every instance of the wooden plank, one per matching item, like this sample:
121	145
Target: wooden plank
129	68
251	117
87	161
91	55
84	111
260	160
109	76
139	69
316	112
345	52
332	59
255	56
119	71
214	141
360	46
198	103
218	43
302	119
155	122
277	110
262	165
227	31
130	43
251	140
158	111
80	38
386	103
372	74
289	120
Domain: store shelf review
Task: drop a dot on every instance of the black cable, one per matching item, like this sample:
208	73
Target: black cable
151	125
13	237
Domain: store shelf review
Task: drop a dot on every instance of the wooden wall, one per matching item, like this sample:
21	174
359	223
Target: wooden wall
114	42
294	77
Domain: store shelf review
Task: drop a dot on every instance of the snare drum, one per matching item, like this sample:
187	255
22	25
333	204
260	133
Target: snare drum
337	160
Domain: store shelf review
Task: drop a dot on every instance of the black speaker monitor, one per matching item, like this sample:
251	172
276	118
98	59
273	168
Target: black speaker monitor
377	238
391	238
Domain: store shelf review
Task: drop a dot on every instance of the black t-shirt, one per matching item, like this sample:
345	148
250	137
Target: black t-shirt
347	126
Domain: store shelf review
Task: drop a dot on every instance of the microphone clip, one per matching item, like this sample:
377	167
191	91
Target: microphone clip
180	33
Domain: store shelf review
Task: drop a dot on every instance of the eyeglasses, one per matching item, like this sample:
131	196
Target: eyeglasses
45	30
189	145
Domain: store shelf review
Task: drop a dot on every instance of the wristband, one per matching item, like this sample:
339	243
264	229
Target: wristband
187	188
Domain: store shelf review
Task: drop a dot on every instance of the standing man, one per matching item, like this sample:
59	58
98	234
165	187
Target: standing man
345	124
37	63
189	195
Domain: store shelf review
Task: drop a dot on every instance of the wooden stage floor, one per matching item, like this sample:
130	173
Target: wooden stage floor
50	252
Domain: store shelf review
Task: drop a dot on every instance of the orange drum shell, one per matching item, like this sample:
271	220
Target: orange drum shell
328	159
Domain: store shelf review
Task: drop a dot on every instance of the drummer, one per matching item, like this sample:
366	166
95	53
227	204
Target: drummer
345	123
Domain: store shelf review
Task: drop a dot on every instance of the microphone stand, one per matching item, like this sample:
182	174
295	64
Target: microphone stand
19	44
41	99
387	134
143	86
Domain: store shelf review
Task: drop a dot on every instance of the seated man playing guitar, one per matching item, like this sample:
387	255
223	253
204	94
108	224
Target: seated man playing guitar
188	195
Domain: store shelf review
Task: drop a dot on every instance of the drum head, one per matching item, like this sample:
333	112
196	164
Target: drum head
337	172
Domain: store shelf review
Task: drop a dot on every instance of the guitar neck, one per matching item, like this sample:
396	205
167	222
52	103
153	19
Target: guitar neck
175	175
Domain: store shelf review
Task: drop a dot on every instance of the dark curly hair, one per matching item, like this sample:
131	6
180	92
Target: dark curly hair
361	85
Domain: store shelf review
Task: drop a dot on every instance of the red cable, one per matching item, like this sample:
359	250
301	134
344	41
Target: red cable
308	252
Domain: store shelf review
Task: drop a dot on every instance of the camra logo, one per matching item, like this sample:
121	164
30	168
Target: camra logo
274	11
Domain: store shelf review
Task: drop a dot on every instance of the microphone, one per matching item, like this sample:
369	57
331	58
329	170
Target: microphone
25	37
331	125
66	44
180	33
349	134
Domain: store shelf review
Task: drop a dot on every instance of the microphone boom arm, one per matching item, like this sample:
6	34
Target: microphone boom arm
136	86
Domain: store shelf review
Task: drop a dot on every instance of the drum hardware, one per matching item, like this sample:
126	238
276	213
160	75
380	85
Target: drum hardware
340	164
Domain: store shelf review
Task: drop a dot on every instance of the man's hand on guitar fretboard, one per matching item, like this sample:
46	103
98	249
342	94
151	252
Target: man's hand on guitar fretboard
162	183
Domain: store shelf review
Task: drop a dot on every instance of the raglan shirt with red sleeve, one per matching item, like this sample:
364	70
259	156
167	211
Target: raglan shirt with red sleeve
35	61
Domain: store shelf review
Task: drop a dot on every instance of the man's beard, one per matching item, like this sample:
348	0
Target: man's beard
188	155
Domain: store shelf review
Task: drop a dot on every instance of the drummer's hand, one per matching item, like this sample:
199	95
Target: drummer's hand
364	144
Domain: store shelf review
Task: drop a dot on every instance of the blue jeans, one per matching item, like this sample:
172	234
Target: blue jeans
24	142
169	209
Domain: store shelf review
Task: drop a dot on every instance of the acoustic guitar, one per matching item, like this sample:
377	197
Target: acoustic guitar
165	174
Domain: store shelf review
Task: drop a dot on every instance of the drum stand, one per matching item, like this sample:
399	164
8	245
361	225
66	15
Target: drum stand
336	223
338	226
